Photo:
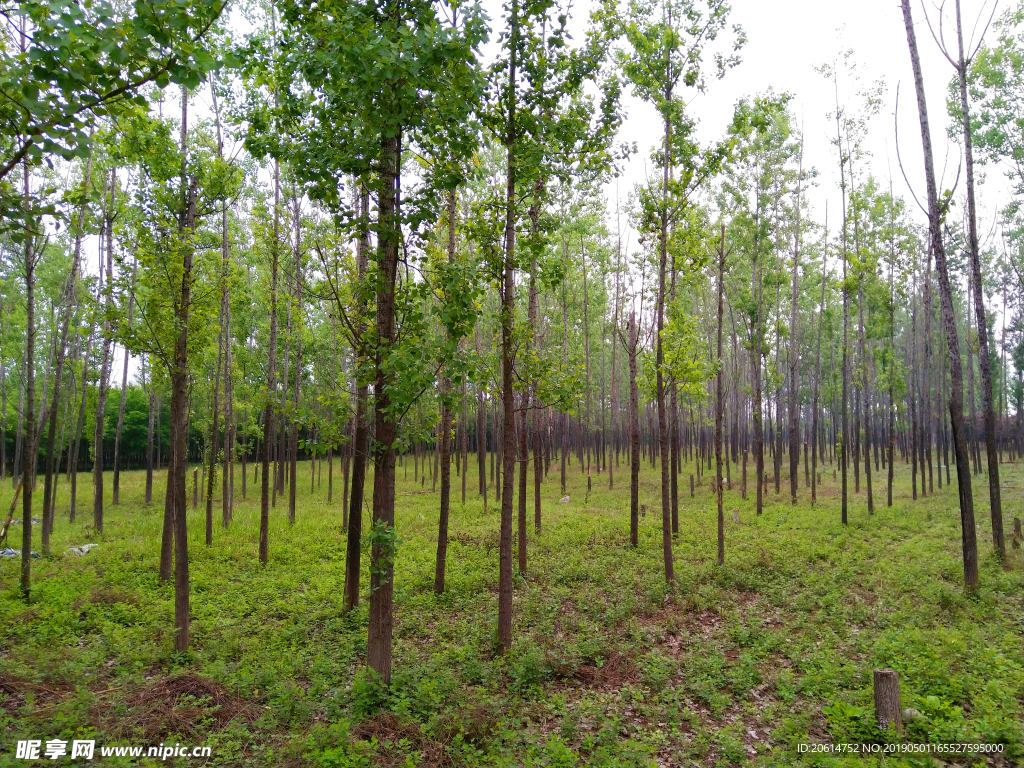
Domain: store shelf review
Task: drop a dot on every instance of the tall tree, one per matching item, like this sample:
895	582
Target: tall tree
936	210
667	41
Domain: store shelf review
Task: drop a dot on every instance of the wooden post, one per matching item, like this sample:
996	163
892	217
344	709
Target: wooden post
691	486
887	700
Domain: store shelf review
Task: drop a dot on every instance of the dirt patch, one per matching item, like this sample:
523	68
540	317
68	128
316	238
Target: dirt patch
16	692
176	704
488	541
395	736
106	596
616	671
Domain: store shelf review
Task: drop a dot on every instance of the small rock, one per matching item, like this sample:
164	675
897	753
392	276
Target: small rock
910	715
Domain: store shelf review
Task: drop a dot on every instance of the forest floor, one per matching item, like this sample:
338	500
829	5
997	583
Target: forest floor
733	665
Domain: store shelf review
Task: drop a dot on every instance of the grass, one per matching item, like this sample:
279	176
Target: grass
732	665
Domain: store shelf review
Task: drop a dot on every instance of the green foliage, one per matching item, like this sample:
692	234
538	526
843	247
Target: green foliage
852	723
782	635
84	60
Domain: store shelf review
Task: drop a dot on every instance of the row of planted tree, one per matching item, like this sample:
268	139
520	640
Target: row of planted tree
296	256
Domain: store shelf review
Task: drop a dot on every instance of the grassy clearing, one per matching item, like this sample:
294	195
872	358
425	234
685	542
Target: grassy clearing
733	666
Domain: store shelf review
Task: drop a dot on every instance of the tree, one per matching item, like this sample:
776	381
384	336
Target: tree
666	55
962	63
358	121
936	210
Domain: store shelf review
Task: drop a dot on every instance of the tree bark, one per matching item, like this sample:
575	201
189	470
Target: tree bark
179	398
444	384
378	653
116	493
794	348
68	303
666	512
995	502
268	409
28	462
104	381
963	470
634	435
360	437
507	350
720	402
293	448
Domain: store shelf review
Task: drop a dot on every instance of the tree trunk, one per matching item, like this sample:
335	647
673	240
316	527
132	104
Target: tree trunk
666	512
179	399
360	441
293	448
68	303
268	409
124	397
634	435
817	375
149	437
995	502
445	429
963	470
378	653
720	401
794	349
29	440
104	381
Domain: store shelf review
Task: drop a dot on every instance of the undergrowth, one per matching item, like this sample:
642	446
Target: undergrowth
731	665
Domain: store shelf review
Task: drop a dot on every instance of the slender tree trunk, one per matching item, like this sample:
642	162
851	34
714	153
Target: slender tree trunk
68	303
361	441
794	348
149	436
179	398
294	437
817	372
755	379
634	435
230	427
214	432
843	442
666	520
268	409
985	358
445	429
507	350
963	471
720	401
673	428
29	377
481	429
104	380
531	418
124	398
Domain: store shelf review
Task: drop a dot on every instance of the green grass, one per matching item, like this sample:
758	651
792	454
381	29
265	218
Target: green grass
733	665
